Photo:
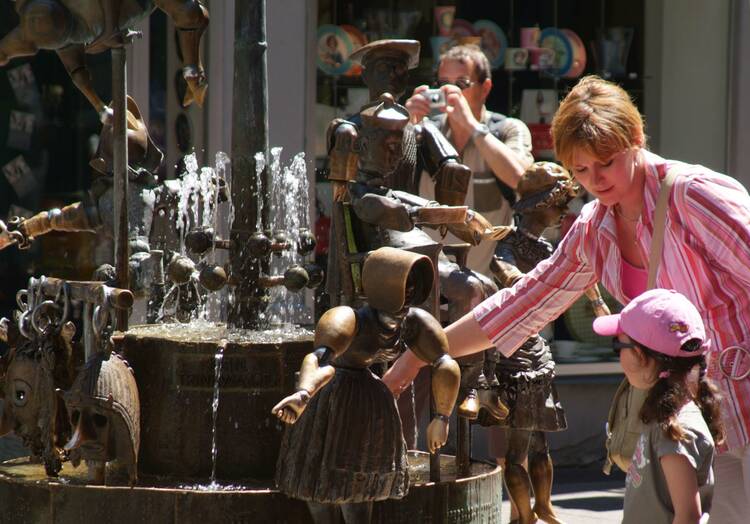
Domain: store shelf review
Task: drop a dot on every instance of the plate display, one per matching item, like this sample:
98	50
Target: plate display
494	42
553	38
334	48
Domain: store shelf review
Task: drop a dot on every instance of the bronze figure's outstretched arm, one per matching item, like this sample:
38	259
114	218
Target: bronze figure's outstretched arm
425	337
333	335
443	163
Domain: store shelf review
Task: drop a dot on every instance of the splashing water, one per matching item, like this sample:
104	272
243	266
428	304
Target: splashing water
289	201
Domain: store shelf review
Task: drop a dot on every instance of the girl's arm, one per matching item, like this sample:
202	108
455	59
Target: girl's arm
683	488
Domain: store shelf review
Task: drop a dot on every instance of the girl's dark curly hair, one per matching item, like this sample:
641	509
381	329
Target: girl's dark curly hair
670	393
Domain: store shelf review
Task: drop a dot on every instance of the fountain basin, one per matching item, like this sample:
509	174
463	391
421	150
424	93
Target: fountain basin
174	366
27	495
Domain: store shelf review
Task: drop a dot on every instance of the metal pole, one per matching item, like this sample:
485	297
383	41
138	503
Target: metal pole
249	136
120	188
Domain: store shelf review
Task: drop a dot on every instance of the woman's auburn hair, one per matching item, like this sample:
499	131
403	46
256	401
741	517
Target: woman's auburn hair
598	117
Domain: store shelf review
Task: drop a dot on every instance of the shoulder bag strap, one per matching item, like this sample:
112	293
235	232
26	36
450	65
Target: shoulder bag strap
660	218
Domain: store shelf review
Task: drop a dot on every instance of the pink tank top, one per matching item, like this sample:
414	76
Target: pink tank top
634	279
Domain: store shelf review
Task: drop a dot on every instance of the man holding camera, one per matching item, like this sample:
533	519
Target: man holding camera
496	148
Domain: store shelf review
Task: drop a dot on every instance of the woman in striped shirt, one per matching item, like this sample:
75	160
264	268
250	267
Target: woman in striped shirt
598	136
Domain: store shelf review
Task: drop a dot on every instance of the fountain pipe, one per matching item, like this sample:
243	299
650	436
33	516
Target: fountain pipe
120	189
249	136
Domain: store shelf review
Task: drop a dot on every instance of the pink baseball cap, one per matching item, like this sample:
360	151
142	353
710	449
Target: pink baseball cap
659	319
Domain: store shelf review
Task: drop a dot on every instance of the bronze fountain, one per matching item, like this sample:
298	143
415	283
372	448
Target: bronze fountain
135	403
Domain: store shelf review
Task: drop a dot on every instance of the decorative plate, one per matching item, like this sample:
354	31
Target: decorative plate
494	42
461	28
579	54
358	39
553	38
334	48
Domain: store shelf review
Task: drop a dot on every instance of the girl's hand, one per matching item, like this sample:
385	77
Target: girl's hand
291	407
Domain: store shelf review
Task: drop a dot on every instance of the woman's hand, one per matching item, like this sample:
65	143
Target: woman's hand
291	407
437	433
402	373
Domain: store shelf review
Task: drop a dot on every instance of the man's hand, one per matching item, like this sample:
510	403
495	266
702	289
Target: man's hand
437	434
291	407
418	105
459	112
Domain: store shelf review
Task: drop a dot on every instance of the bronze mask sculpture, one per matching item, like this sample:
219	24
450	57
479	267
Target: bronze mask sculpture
104	411
40	361
73	29
344	446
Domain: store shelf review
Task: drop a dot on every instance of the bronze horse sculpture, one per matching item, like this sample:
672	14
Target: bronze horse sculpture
73	28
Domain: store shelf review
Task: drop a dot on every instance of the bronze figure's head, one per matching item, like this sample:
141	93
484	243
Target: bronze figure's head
544	190
386	65
394	278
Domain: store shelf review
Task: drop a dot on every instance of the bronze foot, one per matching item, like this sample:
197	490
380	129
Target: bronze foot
489	400
469	407
547	514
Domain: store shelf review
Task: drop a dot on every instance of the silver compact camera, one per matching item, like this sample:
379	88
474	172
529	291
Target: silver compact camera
436	98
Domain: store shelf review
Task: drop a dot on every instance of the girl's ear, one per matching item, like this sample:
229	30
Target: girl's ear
643	359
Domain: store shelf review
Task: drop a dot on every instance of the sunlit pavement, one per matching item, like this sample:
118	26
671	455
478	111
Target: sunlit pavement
583	495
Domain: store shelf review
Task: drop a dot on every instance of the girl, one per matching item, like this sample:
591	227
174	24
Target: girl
661	342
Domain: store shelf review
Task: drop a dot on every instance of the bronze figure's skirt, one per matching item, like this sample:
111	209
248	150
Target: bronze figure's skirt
347	446
524	383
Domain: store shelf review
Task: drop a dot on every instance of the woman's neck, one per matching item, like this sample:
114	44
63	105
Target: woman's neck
630	205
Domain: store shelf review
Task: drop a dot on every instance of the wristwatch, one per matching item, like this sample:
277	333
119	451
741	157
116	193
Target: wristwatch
480	131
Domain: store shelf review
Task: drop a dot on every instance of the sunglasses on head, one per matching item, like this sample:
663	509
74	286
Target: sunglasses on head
461	83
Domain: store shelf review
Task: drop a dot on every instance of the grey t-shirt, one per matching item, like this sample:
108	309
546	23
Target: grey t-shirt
646	493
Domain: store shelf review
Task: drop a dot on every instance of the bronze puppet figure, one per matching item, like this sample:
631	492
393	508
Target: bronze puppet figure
345	447
381	216
385	67
73	29
523	381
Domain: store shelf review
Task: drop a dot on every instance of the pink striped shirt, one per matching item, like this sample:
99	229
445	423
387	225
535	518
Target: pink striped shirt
706	257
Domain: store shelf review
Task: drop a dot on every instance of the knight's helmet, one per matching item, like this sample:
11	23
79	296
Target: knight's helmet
544	185
105	389
389	271
144	157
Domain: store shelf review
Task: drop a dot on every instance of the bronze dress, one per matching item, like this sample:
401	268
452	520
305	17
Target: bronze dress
348	445
524	381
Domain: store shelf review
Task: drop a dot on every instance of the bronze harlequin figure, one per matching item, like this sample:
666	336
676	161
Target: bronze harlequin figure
345	446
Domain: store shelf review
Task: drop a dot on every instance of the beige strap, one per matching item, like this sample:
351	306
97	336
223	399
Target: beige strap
660	218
